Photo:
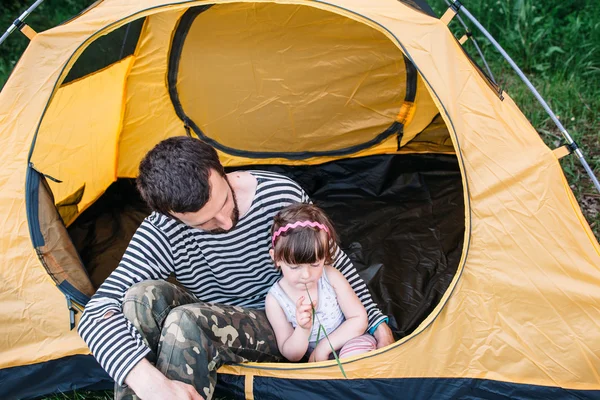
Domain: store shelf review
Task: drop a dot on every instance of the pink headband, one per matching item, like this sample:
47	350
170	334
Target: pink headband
297	224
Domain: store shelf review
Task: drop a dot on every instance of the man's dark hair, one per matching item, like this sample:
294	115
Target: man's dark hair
173	176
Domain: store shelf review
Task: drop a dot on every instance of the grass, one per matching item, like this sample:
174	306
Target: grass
86	395
98	395
555	42
81	395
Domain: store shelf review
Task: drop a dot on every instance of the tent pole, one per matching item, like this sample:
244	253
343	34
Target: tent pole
17	23
571	143
487	67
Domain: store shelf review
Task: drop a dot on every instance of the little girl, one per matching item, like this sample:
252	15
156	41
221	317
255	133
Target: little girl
304	247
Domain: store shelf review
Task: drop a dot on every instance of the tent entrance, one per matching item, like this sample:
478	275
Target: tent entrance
237	78
400	219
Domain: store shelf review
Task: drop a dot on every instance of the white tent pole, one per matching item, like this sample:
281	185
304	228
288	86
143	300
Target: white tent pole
571	143
17	23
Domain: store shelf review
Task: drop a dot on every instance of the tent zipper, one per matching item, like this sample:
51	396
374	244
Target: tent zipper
31	200
32	182
45	175
71	311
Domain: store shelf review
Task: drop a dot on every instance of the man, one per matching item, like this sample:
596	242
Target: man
210	230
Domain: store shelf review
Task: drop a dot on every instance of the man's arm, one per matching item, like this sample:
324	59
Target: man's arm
377	320
113	340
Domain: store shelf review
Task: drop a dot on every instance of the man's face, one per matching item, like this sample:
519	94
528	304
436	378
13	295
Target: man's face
220	214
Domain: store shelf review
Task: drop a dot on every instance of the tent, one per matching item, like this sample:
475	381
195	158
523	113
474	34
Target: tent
451	206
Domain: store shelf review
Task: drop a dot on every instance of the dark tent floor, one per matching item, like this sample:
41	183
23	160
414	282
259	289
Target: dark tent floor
400	219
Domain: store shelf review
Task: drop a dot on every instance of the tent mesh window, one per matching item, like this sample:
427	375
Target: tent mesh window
263	83
419	5
107	50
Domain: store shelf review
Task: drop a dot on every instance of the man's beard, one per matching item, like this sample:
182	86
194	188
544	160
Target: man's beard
235	213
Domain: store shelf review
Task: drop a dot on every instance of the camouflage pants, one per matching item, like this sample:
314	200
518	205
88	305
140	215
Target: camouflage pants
190	340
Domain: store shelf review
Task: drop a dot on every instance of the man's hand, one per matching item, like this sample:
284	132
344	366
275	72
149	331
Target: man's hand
384	336
174	390
149	383
304	313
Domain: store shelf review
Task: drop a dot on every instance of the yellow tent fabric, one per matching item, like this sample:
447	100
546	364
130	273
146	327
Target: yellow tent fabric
524	306
83	130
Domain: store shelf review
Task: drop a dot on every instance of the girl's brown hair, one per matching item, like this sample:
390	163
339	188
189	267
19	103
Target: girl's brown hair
303	245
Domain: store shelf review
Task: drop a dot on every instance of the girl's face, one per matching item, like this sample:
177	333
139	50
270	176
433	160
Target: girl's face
302	276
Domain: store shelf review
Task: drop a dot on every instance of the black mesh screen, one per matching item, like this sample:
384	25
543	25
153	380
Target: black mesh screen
420	5
107	50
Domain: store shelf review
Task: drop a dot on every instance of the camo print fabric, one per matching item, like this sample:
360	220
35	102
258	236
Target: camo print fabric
190	340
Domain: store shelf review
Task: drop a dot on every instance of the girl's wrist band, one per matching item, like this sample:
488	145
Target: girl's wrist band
374	327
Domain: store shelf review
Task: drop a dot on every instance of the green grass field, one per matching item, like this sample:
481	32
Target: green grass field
555	42
83	395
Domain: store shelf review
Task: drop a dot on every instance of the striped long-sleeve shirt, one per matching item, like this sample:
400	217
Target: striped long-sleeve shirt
231	268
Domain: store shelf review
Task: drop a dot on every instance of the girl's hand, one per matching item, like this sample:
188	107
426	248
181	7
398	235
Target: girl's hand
304	315
320	353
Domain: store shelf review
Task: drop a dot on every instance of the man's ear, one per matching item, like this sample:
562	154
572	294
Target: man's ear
272	254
